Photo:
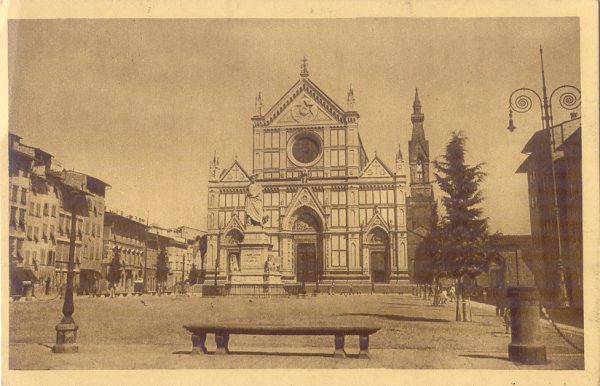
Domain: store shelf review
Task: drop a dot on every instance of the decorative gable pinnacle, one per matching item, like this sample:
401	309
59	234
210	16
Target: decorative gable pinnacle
304	67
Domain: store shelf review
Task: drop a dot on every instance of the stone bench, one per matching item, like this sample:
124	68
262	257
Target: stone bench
222	333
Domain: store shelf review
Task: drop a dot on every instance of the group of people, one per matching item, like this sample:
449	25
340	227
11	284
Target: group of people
447	294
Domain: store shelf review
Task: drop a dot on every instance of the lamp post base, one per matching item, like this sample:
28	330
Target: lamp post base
66	338
526	353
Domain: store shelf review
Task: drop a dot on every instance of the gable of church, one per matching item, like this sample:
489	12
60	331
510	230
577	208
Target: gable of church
376	169
304	104
235	174
305	197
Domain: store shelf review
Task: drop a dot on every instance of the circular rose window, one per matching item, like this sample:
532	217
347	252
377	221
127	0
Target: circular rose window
306	149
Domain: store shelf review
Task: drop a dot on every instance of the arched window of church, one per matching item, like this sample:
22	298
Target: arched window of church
353	255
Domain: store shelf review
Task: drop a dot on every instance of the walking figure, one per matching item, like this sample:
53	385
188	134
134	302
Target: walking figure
506	318
452	293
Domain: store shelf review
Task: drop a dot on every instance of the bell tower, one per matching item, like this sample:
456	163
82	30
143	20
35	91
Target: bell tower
421	201
418	154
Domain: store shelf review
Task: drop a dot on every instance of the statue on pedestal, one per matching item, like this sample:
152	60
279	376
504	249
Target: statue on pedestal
254	204
270	265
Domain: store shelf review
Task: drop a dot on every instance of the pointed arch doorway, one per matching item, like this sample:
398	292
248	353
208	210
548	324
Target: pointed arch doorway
307	232
378	244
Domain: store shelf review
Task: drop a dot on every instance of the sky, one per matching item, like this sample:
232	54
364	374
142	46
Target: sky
143	104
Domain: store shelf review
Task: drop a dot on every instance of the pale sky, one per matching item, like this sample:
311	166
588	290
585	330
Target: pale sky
142	104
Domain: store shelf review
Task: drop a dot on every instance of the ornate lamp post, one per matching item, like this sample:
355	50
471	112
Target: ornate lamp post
66	329
569	98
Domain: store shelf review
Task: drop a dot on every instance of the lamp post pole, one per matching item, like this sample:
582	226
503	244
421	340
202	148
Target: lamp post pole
569	99
66	329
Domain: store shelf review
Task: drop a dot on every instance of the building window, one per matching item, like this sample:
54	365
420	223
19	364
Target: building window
338	197
29	233
338	137
38	210
13	217
23	196
45	231
305	149
46	209
52	231
22	219
338	157
15	194
338	251
36	233
271	160
53	210
338	217
271	140
32	208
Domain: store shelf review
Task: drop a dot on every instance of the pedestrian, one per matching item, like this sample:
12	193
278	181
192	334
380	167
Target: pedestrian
47	288
444	297
452	293
506	318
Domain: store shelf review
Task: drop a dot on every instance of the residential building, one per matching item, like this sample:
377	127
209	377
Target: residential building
553	168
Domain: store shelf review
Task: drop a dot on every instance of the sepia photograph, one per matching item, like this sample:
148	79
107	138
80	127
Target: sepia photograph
228	192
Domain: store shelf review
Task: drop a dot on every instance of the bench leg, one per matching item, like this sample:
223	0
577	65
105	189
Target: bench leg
339	347
198	344
222	341
363	342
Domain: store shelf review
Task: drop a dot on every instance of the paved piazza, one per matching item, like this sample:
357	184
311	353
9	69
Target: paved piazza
146	333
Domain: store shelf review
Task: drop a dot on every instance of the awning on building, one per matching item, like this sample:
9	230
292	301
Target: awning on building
91	272
25	274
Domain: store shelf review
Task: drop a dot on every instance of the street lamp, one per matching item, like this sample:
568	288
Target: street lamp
66	329
569	98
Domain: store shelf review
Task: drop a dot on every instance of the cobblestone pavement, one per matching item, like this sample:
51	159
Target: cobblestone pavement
146	333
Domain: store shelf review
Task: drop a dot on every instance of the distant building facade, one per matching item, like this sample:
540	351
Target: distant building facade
333	213
421	200
40	221
125	238
563	148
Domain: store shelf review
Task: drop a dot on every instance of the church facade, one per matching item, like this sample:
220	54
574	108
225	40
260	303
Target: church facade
332	212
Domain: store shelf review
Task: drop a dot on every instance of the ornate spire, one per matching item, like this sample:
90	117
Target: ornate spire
258	104
304	67
214	167
417	119
399	156
351	100
417	103
399	161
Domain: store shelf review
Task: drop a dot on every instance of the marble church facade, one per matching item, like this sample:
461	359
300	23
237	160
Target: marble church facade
334	213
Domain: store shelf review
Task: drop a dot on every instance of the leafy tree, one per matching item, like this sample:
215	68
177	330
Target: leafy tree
465	236
162	267
428	250
115	267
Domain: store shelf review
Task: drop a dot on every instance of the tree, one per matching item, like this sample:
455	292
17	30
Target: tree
466	242
428	251
115	268
162	268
